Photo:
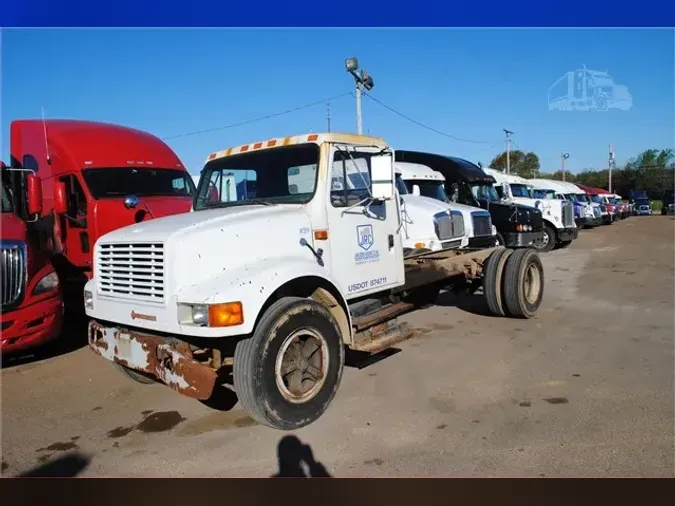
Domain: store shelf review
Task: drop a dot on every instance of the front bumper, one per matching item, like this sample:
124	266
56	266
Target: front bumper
173	364
588	222
642	212
482	242
30	326
567	234
521	239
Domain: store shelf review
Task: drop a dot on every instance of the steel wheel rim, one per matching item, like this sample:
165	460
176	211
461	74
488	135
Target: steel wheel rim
532	284
303	353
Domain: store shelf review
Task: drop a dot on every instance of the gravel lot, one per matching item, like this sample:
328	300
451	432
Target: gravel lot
584	389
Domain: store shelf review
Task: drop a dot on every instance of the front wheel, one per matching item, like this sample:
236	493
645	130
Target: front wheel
547	242
287	374
500	240
523	284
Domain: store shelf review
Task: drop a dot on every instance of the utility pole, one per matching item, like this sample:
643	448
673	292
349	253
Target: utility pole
611	165
363	80
328	115
564	157
508	150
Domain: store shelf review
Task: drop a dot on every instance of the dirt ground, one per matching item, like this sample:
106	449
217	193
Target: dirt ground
584	389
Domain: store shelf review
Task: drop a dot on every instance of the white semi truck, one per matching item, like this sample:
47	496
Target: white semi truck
424	182
272	288
584	214
559	226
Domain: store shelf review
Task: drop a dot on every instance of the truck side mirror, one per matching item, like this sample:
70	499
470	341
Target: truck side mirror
416	190
34	191
382	177
60	198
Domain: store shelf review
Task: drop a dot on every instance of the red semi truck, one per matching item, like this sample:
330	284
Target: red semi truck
93	178
32	309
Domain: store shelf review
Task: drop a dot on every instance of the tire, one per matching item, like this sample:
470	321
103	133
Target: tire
500	240
259	362
492	280
137	376
564	244
523	284
548	241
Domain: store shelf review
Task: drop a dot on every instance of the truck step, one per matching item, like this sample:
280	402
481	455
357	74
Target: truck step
381	315
381	337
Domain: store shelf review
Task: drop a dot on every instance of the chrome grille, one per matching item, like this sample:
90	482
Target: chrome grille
13	272
482	224
131	270
603	208
567	215
449	226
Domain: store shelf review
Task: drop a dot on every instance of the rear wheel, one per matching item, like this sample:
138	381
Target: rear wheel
523	284
492	280
137	376
287	374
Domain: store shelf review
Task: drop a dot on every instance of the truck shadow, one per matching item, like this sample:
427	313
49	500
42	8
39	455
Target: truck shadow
471	303
292	454
65	466
72	337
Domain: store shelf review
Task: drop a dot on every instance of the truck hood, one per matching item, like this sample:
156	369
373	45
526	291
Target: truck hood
433	206
12	228
201	245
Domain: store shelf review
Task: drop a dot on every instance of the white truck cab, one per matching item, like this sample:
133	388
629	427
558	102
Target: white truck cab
581	196
425	182
266	291
559	226
584	216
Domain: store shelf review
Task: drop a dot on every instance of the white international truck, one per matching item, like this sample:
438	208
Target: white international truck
272	288
422	181
559	226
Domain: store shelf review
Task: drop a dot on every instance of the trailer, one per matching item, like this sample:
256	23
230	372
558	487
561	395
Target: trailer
263	295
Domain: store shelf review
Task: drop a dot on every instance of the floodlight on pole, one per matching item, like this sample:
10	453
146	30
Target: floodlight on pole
362	79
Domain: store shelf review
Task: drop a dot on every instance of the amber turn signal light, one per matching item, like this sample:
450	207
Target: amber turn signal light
226	314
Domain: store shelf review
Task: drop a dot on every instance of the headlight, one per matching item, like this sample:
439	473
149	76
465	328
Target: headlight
88	300
46	284
218	315
200	314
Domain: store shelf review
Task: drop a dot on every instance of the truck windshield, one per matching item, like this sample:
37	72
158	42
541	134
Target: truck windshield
520	191
485	192
596	199
431	189
543	194
285	175
571	197
113	182
6	202
400	185
582	197
641	202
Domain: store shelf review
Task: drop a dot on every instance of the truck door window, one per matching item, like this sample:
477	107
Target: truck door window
77	199
350	178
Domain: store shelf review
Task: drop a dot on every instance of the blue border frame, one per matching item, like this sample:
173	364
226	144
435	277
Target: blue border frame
369	13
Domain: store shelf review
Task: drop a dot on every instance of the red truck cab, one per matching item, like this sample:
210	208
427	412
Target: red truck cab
95	178
32	309
608	210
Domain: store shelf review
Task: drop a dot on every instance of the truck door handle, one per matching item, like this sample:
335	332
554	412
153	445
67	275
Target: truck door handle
391	240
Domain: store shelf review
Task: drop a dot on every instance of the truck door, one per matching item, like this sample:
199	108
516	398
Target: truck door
74	233
366	248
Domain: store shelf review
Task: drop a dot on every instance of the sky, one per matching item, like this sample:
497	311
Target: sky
466	83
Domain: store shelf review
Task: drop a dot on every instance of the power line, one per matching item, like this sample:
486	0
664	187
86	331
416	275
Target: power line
419	123
260	118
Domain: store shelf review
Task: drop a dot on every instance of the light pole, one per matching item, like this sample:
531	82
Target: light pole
362	79
564	157
508	149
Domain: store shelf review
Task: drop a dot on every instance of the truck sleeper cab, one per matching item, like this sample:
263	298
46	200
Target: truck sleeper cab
95	178
286	278
31	308
559	224
425	182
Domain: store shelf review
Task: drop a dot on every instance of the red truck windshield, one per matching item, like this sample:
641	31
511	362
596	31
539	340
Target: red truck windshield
114	182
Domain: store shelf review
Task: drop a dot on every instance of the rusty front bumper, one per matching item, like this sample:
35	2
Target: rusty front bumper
173	365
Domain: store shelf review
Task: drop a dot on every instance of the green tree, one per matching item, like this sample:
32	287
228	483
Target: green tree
521	163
